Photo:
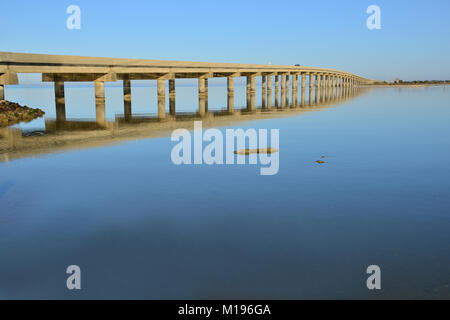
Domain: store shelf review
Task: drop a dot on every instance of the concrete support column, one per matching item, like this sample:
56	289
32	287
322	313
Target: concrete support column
287	90
2	92
317	87
264	91
252	93
206	94
283	91
172	95
334	86
100	103
127	112
302	101
60	101
277	91
323	88
201	97
230	89
269	92
161	84
249	81
294	90
311	82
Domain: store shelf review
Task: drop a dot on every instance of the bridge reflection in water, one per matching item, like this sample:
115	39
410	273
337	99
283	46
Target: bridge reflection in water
62	135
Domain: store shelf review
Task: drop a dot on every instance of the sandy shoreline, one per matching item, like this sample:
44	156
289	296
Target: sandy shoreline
421	85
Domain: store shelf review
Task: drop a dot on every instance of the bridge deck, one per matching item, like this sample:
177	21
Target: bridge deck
61	64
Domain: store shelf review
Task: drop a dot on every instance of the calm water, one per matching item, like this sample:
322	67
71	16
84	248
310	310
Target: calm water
141	227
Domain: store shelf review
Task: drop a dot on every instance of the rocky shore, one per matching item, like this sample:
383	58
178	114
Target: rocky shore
12	113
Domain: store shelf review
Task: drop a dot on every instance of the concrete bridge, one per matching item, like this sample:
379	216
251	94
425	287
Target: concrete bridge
60	69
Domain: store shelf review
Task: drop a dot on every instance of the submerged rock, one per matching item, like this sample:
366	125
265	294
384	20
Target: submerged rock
246	152
12	113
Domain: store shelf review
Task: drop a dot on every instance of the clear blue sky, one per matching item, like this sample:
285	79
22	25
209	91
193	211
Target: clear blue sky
413	43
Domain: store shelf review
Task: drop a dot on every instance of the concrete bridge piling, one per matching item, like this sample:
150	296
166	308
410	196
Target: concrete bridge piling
323	84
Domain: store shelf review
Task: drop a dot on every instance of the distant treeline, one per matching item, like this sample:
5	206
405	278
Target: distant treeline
400	82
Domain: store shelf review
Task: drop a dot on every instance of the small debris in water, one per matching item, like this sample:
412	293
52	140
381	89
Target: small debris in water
33	134
246	152
320	161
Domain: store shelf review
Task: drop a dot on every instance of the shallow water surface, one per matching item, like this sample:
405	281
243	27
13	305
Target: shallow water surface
141	227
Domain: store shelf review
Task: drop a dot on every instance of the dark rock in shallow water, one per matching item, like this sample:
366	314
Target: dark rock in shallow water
12	113
246	152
